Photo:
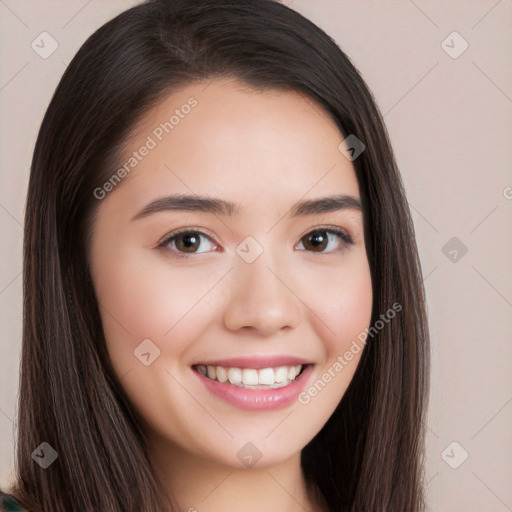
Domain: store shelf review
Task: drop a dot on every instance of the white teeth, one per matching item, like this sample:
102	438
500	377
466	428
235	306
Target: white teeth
251	378
222	376
266	376
235	375
281	374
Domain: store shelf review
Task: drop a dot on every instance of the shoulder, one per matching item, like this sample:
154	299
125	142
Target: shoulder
9	503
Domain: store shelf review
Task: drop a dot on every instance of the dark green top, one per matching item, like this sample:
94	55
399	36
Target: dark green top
9	502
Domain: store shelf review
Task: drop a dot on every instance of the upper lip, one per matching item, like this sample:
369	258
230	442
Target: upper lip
256	362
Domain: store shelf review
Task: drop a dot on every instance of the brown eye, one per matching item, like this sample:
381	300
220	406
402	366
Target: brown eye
319	239
316	240
186	242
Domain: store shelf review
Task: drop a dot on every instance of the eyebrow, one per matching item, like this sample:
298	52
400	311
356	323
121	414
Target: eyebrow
226	208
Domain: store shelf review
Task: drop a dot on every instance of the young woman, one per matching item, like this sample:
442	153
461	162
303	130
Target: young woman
223	300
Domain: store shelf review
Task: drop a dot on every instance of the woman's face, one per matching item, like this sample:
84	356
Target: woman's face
256	288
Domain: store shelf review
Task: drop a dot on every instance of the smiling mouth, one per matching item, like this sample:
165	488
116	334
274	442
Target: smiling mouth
251	378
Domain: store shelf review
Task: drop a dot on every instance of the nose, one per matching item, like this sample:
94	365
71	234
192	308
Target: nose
261	298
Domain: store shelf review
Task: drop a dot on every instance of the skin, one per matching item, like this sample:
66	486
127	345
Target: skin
266	151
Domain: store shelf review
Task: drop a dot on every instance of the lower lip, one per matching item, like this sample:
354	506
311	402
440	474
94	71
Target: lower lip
257	399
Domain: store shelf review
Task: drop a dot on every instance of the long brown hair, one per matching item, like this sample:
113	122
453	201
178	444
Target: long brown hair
369	455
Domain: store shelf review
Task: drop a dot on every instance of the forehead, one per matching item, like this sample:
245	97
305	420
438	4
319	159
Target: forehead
226	139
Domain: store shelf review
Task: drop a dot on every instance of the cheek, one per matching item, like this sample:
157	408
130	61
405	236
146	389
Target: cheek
141	298
339	307
341	301
341	310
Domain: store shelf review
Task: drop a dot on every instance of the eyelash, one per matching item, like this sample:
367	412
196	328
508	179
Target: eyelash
341	233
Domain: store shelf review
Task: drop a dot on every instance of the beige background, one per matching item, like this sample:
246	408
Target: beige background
450	121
